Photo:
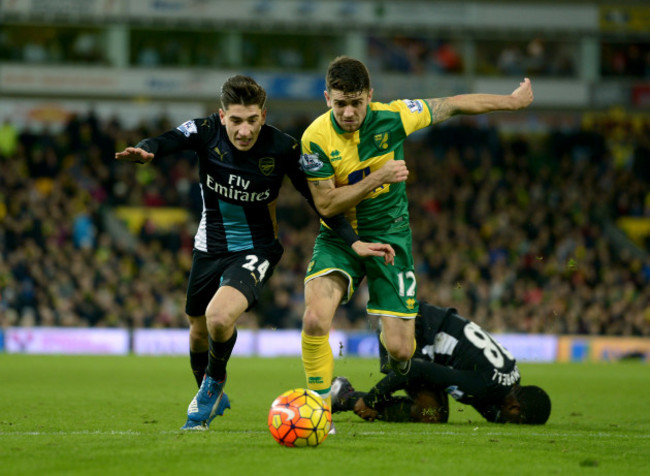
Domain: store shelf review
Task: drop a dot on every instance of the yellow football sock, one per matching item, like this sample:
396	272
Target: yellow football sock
318	362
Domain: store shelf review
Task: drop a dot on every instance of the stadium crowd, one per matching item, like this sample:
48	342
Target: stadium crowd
508	229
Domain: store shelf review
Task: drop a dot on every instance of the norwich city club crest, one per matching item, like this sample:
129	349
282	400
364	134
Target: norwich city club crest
267	164
382	140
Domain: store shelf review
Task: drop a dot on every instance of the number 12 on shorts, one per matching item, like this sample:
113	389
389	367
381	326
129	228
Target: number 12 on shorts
406	283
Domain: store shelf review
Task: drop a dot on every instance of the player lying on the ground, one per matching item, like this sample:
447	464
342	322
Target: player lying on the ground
454	356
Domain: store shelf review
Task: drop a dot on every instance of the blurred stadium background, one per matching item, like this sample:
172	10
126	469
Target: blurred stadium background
535	224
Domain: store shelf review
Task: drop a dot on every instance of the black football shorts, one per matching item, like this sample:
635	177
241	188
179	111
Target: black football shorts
247	271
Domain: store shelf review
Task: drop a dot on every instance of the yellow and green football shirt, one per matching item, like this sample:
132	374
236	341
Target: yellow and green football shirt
330	152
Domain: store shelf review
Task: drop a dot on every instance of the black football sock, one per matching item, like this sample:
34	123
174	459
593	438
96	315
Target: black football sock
219	356
198	362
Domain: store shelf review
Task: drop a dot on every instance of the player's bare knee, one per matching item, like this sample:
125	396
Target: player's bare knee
430	406
400	351
429	414
198	337
313	323
219	324
198	333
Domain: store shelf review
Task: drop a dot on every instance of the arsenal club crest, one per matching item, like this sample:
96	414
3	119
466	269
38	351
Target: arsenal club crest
267	165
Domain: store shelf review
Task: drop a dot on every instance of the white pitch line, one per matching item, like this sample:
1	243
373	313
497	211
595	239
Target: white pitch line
112	432
479	432
476	432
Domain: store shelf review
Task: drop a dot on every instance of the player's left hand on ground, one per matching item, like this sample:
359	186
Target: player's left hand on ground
523	94
365	250
364	411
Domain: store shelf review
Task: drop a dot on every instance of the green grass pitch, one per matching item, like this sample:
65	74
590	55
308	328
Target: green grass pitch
66	415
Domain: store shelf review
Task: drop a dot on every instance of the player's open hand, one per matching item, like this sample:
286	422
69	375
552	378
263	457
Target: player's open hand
134	154
365	250
523	94
364	411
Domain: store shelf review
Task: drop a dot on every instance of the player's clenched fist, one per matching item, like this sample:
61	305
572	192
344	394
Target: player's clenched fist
134	154
394	171
523	94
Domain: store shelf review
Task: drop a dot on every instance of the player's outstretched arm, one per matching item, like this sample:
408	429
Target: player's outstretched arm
134	154
444	108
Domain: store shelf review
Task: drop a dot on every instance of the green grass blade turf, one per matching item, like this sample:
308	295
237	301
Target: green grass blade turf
81	415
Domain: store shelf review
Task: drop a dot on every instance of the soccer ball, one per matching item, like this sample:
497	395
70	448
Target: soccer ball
299	417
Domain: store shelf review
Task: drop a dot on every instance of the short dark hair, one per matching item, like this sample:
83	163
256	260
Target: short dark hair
348	75
244	90
534	404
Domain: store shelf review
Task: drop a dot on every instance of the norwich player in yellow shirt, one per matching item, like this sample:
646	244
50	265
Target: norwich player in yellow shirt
353	157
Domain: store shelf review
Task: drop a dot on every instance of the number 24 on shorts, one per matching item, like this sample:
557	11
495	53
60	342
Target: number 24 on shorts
252	266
